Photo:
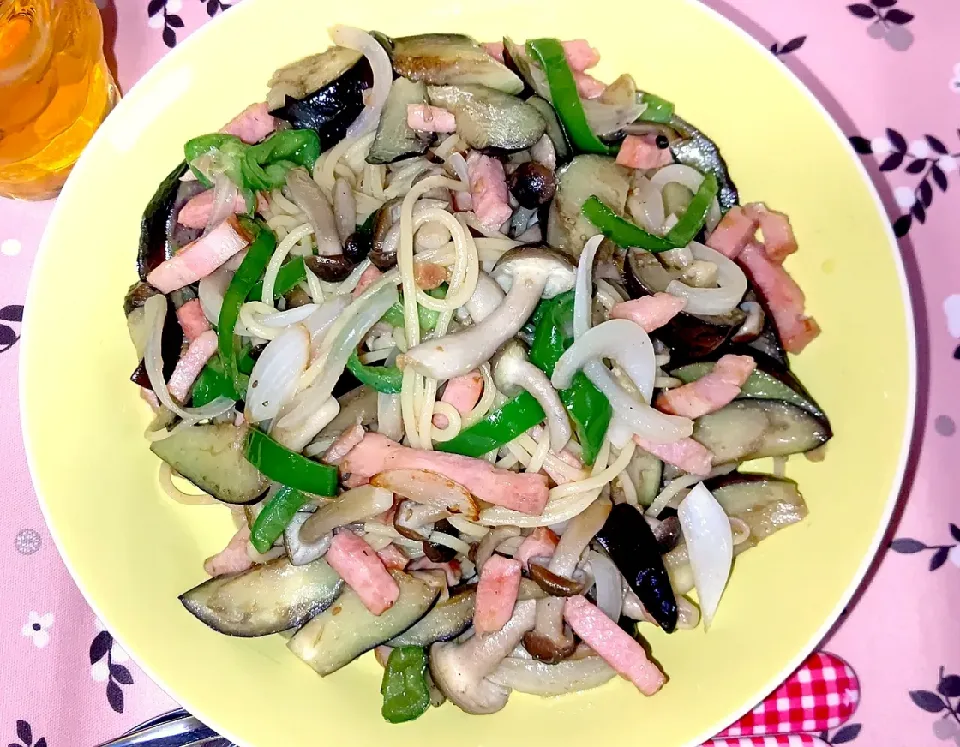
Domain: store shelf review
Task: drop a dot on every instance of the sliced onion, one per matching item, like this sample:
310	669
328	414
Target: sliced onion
539	678
276	373
424	486
619	339
361	41
211	291
289	317
731	282
583	293
354	505
225	194
155	312
709	541
646	206
389	417
607	579
690	178
299	552
350	283
459	165
368	313
323	318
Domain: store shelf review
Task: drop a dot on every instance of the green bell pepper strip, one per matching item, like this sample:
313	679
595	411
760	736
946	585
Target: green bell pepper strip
289	468
213	383
386	379
428	317
246	276
498	427
406	695
589	410
658	110
227	153
625	234
549	54
275	516
291	274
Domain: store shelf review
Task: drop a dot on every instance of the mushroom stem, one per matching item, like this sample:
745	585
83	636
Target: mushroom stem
460	670
311	200
523	374
486	297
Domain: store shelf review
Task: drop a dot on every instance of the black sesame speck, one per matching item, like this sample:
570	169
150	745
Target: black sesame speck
662	142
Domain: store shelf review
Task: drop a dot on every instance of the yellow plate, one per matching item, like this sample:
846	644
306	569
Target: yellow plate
132	550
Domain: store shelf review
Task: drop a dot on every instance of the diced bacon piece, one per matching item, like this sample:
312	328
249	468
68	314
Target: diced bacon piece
642	152
525	492
367	278
497	593
190	365
393	558
541	543
779	241
450	567
461	392
429	275
344	443
428	118
488	189
462	202
783	296
711	392
495	50
580	55
689	455
192	319
735	230
251	125
234	558
613	644
382	654
362	570
650	312
590	88
199	258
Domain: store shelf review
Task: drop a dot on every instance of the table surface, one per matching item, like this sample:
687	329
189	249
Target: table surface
890	74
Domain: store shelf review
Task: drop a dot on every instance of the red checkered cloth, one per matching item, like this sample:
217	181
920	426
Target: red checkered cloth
822	694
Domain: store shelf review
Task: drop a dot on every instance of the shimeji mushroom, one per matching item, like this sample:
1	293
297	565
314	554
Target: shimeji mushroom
512	372
460	670
527	274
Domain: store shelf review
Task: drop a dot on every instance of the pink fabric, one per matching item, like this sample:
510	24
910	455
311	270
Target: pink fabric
901	634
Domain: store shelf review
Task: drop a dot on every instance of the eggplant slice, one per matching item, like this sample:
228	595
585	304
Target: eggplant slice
451	59
212	458
488	119
160	234
265	599
766	382
690	336
755	428
585	175
333	107
339	635
446	620
765	504
697	150
395	139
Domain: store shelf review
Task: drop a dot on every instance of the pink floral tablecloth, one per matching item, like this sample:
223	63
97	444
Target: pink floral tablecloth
889	71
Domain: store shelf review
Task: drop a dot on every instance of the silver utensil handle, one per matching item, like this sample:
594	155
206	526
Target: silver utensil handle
174	729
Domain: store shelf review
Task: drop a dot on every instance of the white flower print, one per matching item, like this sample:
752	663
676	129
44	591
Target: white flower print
955	80
904	196
37	628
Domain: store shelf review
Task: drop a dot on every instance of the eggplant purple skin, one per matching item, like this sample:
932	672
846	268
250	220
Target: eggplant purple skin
171	344
330	110
160	234
632	547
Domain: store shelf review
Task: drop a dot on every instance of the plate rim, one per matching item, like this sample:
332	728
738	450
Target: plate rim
908	438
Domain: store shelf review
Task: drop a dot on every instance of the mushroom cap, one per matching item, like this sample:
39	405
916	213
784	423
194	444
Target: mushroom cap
538	262
513	351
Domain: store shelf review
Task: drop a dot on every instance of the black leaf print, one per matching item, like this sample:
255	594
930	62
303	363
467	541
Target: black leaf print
100	646
927	700
939	558
916	167
175	21
791	46
169	37
941	180
898	141
861	145
8	338
955	532
892	162
213	6
899	17
883	3
42	742
862	11
121	674
949	686
956	353
155	6
901	227
919	212
12	313
925	192
115	696
24	732
907	546
847	734
936	145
